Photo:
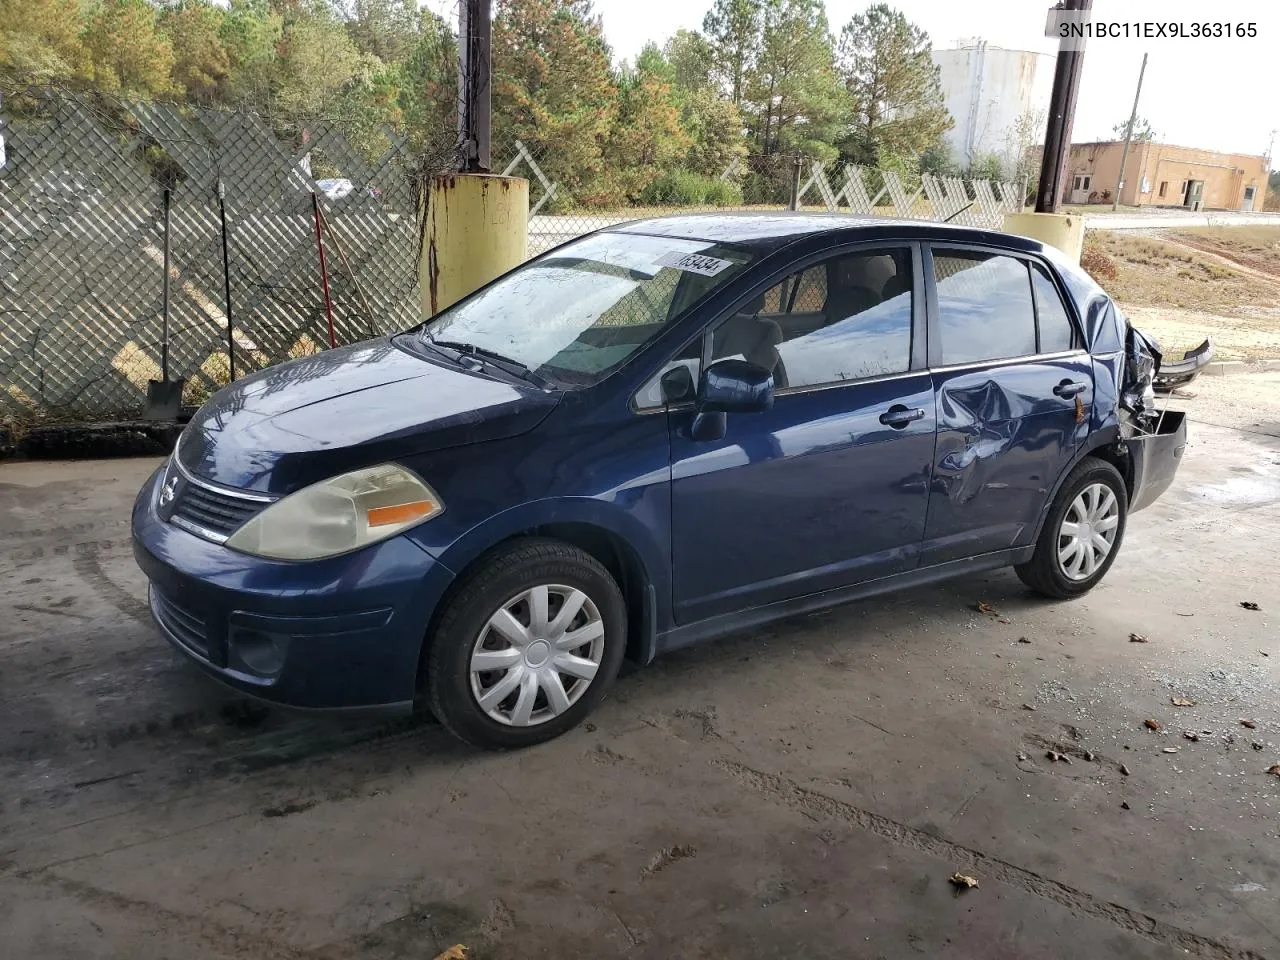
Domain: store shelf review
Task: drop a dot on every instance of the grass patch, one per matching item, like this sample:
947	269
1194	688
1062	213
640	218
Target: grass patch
1150	272
1254	247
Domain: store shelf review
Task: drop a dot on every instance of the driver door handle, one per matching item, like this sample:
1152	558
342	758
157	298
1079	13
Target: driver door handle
1070	388
899	416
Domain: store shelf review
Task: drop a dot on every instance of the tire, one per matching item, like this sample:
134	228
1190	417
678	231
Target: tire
514	578
1046	572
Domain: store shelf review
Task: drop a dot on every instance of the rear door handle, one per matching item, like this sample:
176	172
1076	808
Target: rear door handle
899	416
1070	388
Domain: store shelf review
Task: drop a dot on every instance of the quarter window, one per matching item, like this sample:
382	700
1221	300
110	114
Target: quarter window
1056	332
984	307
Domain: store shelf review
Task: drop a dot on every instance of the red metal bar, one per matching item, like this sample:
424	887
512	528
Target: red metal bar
324	270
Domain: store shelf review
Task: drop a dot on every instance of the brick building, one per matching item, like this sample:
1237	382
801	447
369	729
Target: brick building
1165	175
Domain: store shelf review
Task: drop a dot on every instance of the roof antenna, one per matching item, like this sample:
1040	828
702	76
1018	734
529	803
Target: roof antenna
960	211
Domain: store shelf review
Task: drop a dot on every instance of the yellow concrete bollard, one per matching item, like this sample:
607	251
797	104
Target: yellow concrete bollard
1062	230
475	227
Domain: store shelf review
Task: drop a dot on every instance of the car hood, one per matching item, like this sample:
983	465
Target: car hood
303	421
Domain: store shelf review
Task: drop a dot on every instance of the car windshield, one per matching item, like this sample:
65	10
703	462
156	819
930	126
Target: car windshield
577	314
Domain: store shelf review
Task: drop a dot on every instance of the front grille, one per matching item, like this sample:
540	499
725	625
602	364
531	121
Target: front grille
213	510
190	629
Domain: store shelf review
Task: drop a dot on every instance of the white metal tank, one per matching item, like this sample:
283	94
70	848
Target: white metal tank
998	98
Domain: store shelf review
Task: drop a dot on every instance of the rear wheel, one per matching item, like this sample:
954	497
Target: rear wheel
526	646
1082	533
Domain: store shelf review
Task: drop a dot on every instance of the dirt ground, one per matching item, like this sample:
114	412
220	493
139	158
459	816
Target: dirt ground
804	791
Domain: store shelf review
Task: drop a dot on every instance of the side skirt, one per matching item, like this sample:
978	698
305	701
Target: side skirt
713	627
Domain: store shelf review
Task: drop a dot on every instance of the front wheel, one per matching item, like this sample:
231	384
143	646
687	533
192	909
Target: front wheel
526	646
1082	533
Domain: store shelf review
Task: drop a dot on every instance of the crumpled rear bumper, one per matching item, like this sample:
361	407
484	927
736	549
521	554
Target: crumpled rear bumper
1155	458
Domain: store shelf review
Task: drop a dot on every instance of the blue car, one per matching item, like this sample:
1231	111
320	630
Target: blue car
651	436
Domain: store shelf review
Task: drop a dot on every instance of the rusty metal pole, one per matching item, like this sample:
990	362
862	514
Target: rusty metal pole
1128	137
1062	108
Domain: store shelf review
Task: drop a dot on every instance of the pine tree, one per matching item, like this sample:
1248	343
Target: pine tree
732	29
894	89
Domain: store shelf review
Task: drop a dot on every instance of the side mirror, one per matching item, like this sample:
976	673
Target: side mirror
677	385
735	386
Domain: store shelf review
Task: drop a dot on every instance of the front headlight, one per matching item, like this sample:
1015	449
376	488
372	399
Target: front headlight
338	515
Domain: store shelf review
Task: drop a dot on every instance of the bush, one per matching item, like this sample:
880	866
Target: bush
1097	264
683	188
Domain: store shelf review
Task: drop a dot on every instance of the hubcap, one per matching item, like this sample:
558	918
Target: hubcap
537	655
1088	531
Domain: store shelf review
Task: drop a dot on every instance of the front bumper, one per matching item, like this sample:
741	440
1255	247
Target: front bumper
341	633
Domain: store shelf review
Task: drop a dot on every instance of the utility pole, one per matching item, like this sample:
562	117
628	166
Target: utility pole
1128	136
1271	143
1062	109
475	35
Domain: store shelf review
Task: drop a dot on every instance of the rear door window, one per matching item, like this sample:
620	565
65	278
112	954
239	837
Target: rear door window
985	310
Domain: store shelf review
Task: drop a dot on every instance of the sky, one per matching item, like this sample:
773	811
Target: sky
1217	94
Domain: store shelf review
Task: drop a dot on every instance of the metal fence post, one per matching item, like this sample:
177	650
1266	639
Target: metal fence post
794	202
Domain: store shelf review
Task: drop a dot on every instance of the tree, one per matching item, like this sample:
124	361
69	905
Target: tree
250	33
894	89
40	40
1142	130
201	63
795	102
1022	159
647	138
387	29
127	54
733	34
315	60
690	57
714	126
554	91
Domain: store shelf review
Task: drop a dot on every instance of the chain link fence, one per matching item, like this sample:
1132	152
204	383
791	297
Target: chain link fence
82	239
82	184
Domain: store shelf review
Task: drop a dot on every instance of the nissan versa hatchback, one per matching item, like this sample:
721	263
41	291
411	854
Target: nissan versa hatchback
653	435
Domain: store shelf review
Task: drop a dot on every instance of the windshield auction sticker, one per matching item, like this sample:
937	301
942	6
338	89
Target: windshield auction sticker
694	263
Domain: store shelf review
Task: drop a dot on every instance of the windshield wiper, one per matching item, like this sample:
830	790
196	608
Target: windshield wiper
505	363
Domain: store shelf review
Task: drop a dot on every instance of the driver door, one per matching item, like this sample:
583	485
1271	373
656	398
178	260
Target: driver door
828	487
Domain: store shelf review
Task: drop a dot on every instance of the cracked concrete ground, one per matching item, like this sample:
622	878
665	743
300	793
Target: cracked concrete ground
803	791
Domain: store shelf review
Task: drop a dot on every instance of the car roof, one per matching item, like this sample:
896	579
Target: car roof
766	231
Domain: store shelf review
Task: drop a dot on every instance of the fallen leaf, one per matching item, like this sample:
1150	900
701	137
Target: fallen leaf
1176	614
1191	735
456	952
1024	640
1274	768
1088	755
1124	805
1151	724
983	607
1256	745
1002	620
1124	770
1170	749
1056	756
1027	706
1022	756
1249	605
962	882
1264	653
1138	638
1249	724
1182	702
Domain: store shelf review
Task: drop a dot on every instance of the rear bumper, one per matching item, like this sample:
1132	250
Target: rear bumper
342	633
1155	459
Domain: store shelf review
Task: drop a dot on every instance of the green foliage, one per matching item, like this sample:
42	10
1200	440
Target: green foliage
1143	132
795	100
985	166
386	29
733	33
647	136
40	40
684	188
201	64
126	53
898	110
938	161
689	54
714	127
